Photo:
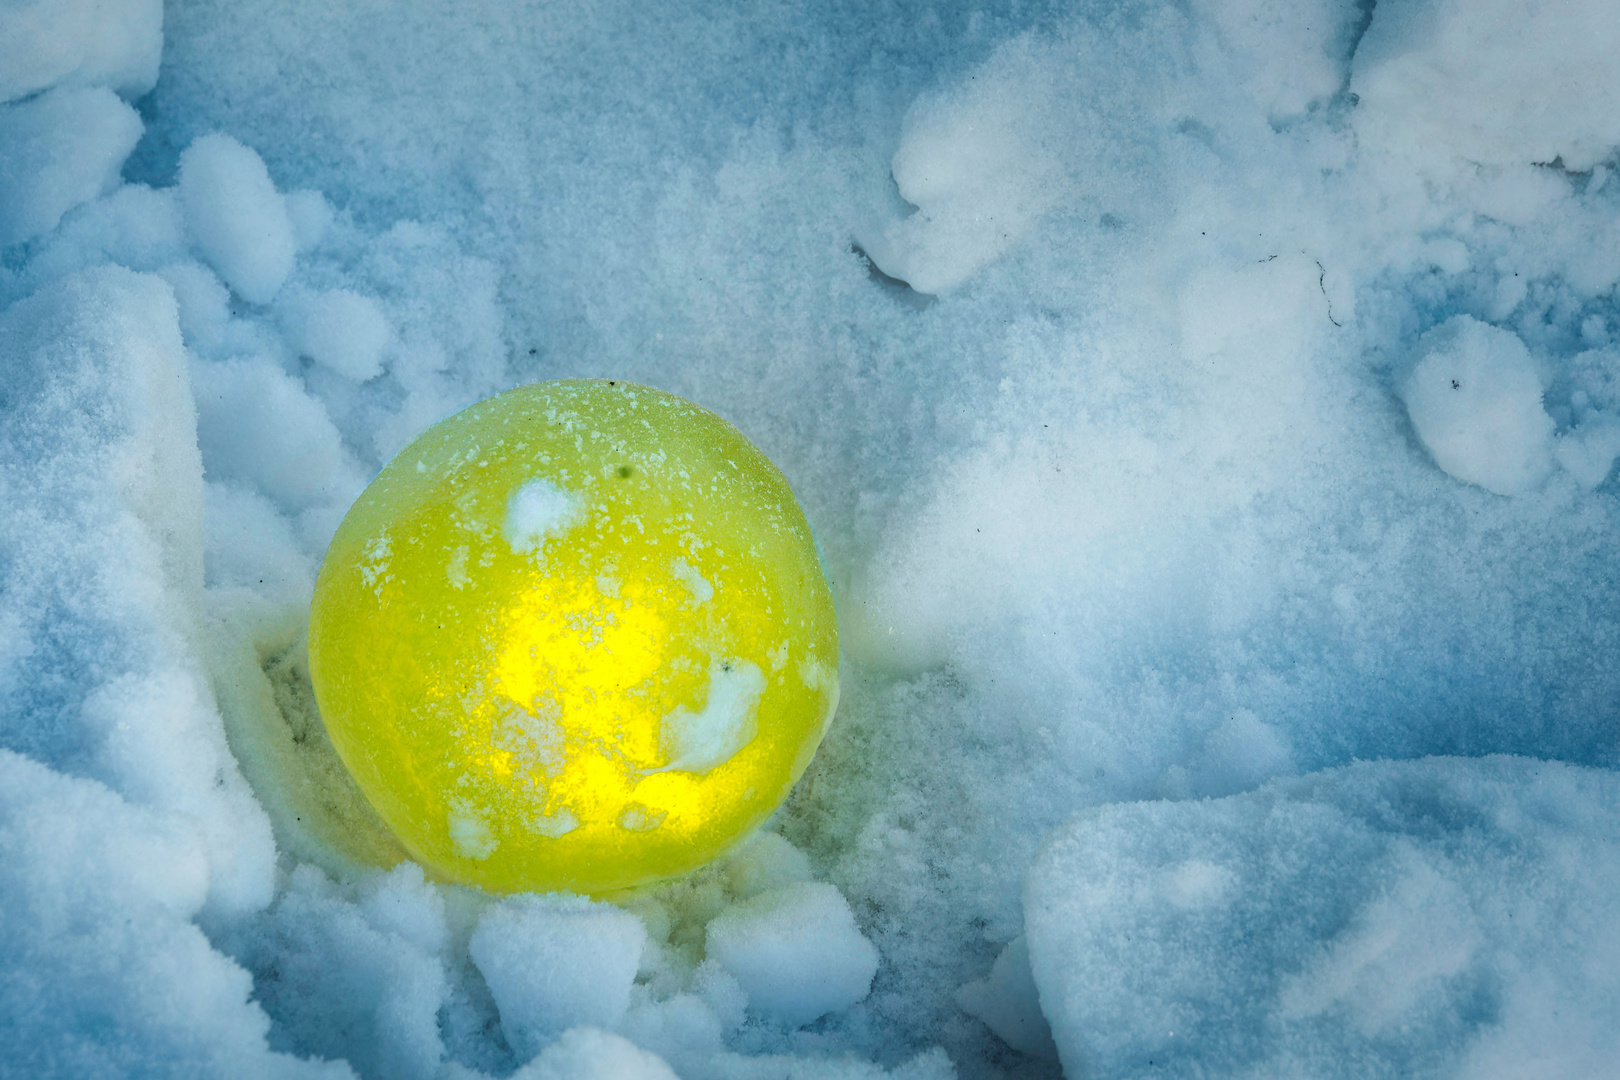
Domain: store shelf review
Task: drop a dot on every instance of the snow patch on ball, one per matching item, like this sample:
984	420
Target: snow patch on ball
699	741
537	510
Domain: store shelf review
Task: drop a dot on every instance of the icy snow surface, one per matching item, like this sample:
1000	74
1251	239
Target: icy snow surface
1207	412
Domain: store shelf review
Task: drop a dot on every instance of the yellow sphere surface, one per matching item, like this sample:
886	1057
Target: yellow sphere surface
574	637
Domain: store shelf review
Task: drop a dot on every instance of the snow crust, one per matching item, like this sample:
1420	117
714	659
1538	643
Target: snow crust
1213	665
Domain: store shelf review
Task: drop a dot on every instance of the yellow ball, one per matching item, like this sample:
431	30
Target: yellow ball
574	637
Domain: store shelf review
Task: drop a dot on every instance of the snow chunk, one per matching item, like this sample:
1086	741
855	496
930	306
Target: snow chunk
311	216
255	423
205	305
1009	1004
1588	453
976	168
1492	81
796	952
1288	53
237	218
1389	918
556	962
698	741
586	1053
345	332
59	151
1475	401
112	43
537	510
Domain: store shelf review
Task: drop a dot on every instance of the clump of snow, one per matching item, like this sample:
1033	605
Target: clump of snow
1009	1003
698	741
345	331
539	510
973	165
1289	54
795	951
111	43
237	218
258	425
58	151
556	962
1475	401
311	216
1371	918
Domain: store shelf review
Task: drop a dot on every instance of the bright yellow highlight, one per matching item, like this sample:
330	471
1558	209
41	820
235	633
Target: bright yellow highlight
574	637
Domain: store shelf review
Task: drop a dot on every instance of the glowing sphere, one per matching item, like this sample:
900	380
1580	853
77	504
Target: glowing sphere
574	637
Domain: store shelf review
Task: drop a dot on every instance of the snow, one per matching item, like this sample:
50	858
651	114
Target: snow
585	1053
344	331
795	951
1224	692
1371	920
538	510
111	43
237	218
1009	1003
61	150
699	741
1475	401
554	963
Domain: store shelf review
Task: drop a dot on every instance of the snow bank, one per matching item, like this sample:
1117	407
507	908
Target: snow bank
103	553
100	896
103	548
1379	918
